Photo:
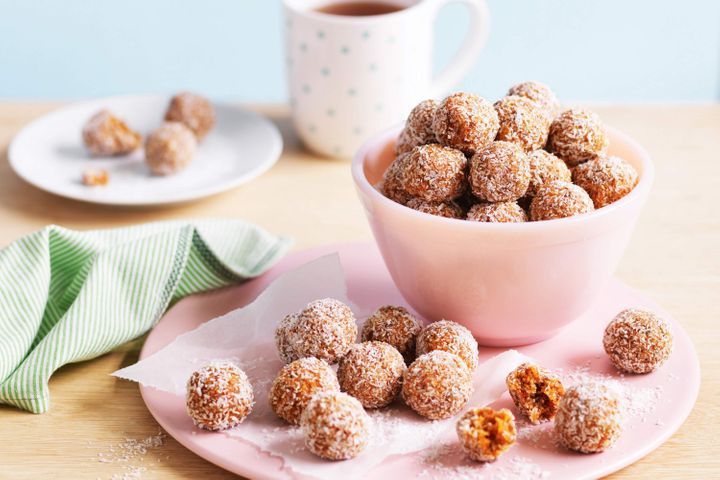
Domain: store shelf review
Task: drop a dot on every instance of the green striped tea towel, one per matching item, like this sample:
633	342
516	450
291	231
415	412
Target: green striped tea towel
69	296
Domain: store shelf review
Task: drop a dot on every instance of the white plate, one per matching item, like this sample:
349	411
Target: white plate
49	154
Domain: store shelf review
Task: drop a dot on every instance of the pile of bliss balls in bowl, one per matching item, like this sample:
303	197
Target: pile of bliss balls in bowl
521	159
429	368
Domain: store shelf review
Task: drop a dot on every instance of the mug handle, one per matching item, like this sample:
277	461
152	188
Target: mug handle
475	39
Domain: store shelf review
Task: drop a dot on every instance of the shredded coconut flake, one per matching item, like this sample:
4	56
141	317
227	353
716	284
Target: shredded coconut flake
128	452
447	461
637	402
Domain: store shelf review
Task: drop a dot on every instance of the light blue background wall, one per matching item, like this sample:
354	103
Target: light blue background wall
606	50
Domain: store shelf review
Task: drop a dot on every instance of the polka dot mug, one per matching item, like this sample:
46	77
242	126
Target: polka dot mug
352	76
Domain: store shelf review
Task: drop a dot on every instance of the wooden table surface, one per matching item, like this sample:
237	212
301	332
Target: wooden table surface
674	257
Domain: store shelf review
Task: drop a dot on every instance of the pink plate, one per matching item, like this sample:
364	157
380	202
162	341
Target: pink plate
370	285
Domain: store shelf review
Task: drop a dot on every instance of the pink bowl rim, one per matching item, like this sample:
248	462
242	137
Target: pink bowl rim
638	194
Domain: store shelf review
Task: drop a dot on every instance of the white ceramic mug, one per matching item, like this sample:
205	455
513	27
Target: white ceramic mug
351	76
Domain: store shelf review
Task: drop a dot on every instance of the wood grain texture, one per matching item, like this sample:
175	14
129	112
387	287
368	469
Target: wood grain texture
674	257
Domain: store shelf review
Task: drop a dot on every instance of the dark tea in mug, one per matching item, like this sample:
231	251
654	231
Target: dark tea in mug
359	9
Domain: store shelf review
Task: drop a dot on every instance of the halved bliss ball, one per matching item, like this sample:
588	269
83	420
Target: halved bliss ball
106	134
485	434
535	391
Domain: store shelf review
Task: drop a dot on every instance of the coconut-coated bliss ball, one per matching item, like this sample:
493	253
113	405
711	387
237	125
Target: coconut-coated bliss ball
325	329
404	143
540	94
522	122
466	122
393	325
282	338
638	341
295	385
335	426
605	179
449	209
577	136
450	337
535	391
104	134
499	172
391	183
589	417
194	111
372	372
437	385
501	212
219	396
485	434
559	199
434	173
544	168
170	148
418	127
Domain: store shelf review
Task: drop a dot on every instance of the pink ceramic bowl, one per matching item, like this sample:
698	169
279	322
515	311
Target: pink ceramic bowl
510	284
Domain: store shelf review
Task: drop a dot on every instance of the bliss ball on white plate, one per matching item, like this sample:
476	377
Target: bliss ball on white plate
192	110
104	134
170	148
